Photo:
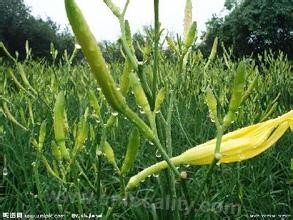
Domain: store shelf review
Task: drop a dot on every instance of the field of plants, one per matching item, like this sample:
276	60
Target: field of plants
101	140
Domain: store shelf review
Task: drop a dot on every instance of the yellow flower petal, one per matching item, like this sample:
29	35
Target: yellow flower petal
236	146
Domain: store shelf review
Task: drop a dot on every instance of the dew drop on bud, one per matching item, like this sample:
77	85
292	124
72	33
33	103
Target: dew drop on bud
5	171
151	143
158	154
114	113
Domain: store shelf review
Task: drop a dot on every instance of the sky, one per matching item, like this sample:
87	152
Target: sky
140	13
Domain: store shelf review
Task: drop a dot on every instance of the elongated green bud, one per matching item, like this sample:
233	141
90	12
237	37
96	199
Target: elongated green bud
124	80
9	115
212	105
94	102
30	110
55	167
24	78
109	153
213	53
56	152
7	52
115	10
65	152
82	132
128	35
42	134
94	56
250	88
50	170
187	17
35	145
139	94
237	94
190	37
159	99
111	121
18	84
171	44
59	120
131	152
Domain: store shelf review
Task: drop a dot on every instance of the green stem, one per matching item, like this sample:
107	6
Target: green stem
122	185
220	132
160	147
128	52
86	177
156	52
141	176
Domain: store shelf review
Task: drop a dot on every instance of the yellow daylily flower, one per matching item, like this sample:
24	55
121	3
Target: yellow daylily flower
238	145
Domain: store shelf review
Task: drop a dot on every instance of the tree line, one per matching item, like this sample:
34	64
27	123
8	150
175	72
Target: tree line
250	28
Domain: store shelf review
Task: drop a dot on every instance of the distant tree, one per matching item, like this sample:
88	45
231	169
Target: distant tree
254	26
17	25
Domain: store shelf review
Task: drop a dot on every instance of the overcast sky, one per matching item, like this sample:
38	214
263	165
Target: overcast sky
140	12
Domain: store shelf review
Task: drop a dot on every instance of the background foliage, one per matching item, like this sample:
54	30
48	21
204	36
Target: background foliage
253	27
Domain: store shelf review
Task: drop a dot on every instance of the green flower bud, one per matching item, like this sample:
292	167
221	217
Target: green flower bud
42	134
190	37
213	52
212	105
171	44
128	35
94	56
94	102
237	94
9	115
187	17
82	132
59	120
65	152
109	153
131	152
159	99
56	152
139	94
111	121
24	78
124	81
